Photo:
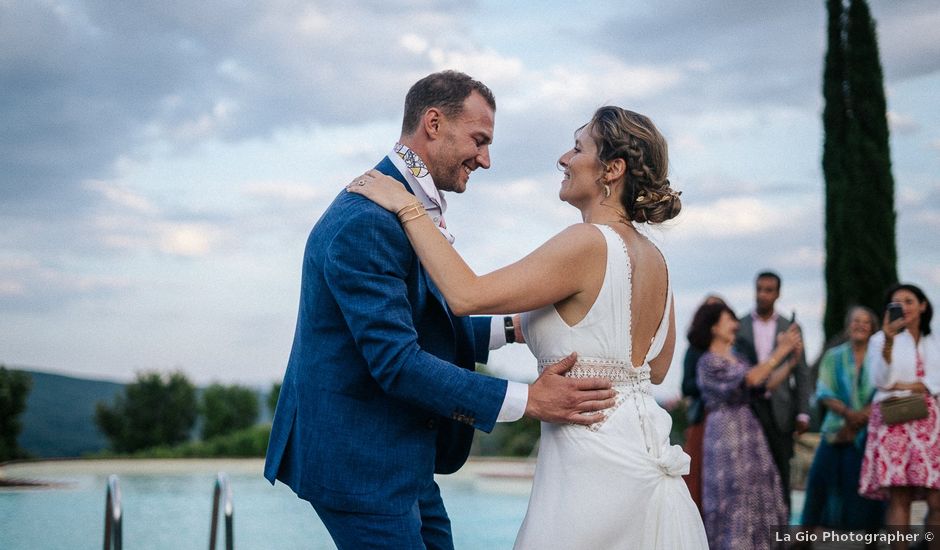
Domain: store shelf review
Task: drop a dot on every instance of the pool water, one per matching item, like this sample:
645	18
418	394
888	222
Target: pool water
170	507
167	504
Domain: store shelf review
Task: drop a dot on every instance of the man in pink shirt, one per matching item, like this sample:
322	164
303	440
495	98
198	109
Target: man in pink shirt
784	412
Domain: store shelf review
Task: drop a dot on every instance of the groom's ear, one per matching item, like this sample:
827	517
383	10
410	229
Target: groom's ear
431	122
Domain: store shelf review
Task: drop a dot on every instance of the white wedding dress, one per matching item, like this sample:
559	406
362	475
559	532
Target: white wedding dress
616	484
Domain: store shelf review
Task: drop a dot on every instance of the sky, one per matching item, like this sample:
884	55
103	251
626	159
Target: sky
161	164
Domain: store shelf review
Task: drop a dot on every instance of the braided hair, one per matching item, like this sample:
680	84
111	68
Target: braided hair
647	196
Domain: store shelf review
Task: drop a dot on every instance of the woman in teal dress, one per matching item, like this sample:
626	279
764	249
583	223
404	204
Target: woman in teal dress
845	390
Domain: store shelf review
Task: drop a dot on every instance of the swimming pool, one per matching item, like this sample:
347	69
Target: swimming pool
168	504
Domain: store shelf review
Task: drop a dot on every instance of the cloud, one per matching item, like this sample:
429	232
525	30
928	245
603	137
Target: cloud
85	84
733	217
283	191
186	239
122	197
162	164
902	124
908	44
130	222
30	284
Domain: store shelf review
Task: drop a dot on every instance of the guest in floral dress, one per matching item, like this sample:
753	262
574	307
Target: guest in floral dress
742	497
902	461
695	414
844	389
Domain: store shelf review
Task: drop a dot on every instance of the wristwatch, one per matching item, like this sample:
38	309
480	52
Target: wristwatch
510	329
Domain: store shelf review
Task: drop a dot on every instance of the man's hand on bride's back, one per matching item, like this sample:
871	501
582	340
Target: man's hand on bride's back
383	190
561	400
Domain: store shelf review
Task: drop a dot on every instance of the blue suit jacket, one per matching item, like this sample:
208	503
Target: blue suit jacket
372	404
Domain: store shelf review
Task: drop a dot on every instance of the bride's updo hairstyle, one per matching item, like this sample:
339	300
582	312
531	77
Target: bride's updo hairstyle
630	136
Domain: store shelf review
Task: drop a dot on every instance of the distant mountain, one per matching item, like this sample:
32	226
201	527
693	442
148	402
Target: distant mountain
59	420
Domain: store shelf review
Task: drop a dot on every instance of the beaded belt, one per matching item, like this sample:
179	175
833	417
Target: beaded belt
618	372
626	379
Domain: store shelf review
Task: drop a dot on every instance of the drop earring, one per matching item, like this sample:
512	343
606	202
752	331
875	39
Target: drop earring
606	190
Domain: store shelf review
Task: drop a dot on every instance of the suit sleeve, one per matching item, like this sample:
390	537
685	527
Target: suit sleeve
481	338
804	384
689	384
366	268
744	342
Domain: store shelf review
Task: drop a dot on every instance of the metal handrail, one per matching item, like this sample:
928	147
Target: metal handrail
224	491
112	514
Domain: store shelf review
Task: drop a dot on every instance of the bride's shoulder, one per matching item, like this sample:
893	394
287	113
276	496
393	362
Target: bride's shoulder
581	235
575	243
582	230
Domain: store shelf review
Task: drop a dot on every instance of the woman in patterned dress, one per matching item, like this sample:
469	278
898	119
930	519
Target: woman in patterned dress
902	461
695	414
742	496
845	390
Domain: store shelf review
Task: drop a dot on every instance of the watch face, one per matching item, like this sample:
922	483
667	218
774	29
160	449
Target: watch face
510	330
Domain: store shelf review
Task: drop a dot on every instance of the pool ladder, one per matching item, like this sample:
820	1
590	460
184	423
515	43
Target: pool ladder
222	495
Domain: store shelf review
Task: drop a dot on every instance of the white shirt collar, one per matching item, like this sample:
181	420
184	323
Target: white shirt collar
418	176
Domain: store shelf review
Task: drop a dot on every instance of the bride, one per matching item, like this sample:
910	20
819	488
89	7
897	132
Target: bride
600	289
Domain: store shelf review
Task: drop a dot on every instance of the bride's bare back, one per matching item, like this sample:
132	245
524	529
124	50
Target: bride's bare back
649	277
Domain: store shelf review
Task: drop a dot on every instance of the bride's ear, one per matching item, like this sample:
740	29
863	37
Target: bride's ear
616	169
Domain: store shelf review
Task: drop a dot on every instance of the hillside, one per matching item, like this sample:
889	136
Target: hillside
59	418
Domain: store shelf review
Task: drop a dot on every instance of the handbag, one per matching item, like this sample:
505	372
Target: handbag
897	410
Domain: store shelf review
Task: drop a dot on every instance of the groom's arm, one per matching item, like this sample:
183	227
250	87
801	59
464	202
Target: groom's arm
367	265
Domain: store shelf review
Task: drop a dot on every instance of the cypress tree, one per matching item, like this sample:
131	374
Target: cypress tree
861	255
834	149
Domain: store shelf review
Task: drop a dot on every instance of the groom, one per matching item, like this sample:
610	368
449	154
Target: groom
380	393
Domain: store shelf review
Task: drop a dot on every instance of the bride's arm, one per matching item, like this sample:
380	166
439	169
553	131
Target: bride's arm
659	366
554	271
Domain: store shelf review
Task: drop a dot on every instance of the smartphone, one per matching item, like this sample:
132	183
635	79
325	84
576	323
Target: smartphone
792	316
895	312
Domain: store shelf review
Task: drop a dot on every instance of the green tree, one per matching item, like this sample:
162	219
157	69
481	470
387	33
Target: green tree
861	254
517	439
273	395
227	409
14	389
153	410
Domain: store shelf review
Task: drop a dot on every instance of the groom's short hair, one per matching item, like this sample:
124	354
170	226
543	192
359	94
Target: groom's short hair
445	90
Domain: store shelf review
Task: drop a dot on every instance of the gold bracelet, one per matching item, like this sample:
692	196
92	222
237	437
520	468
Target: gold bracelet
413	208
415	204
423	212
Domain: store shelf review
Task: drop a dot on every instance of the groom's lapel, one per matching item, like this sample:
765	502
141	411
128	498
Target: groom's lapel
388	168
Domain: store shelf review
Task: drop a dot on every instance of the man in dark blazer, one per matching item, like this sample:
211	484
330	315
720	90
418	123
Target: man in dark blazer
784	412
380	391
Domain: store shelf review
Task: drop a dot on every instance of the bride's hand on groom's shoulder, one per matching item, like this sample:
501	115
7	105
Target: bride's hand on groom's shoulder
561	400
383	190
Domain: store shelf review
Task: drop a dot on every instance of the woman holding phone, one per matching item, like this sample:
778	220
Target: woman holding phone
902	455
